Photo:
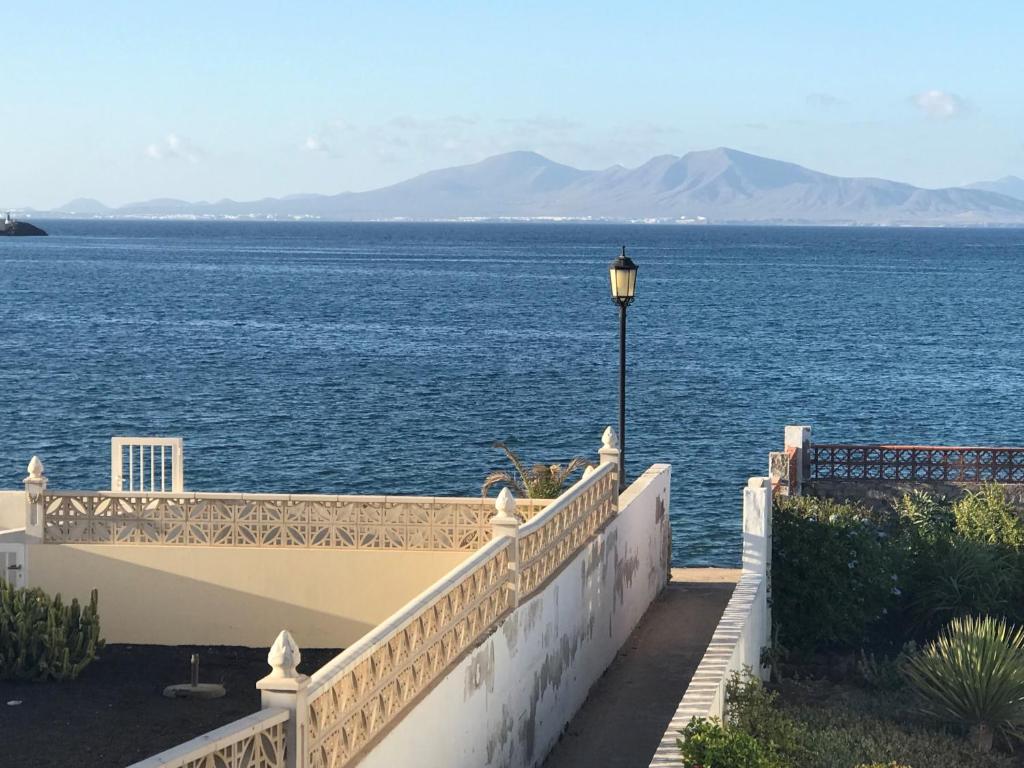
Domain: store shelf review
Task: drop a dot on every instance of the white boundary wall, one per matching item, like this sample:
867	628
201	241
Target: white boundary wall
508	701
743	630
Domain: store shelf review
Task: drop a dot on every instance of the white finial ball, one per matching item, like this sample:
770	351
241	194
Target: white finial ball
609	439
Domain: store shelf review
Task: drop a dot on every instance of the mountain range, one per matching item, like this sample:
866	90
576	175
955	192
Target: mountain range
719	186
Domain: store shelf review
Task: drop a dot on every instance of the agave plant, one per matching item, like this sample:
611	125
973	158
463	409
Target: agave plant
539	481
973	674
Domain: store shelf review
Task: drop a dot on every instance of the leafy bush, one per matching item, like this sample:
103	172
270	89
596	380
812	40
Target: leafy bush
843	726
42	639
820	725
884	673
973	674
846	577
833	572
957	577
707	744
751	708
930	517
539	481
987	516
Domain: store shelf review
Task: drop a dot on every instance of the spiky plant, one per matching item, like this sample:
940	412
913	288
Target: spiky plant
973	674
539	481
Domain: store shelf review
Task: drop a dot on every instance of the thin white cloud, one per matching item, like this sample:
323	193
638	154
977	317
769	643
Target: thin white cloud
433	142
940	105
315	144
174	147
824	100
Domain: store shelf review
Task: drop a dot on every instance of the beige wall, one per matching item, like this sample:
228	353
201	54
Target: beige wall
12	509
176	595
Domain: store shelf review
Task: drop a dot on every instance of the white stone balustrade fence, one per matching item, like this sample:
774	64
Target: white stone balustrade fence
270	520
354	698
255	741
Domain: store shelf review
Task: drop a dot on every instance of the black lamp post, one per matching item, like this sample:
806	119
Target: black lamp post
622	272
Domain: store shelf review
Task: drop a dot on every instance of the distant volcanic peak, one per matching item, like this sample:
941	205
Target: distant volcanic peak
1012	186
84	205
722	185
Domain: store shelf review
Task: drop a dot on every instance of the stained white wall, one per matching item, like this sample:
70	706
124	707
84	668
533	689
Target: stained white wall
507	702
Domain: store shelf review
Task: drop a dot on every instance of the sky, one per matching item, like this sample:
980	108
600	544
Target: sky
207	100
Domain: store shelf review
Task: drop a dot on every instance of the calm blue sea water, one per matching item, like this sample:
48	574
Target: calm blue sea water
370	358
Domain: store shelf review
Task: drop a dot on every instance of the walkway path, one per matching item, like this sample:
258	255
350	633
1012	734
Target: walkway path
626	714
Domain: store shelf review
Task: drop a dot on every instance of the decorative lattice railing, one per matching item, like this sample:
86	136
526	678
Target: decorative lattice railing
549	540
356	696
256	741
960	464
270	520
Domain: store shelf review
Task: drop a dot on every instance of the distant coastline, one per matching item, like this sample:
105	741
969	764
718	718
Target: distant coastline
552	221
719	186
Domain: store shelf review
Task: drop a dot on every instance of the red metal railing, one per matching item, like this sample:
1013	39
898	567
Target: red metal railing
958	464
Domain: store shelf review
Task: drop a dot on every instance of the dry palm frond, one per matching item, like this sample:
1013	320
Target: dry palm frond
507	479
540	481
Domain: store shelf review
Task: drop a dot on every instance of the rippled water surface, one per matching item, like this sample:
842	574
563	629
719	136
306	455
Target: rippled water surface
373	358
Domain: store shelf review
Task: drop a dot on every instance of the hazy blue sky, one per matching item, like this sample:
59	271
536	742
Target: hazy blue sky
203	100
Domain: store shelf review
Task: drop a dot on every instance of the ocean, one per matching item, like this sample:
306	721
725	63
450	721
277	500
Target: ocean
388	357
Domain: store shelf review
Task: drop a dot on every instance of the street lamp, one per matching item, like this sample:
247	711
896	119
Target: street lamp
622	272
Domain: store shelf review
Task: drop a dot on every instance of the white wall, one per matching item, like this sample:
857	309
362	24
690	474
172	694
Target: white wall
507	702
12	509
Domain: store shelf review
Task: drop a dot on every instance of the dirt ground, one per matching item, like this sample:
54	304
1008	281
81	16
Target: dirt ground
114	714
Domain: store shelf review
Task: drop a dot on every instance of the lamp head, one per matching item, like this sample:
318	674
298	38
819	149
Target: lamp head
622	273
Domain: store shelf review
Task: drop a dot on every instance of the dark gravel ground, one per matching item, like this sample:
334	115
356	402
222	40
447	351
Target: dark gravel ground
115	713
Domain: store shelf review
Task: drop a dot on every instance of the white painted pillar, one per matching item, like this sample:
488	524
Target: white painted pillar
757	547
35	495
799	439
285	688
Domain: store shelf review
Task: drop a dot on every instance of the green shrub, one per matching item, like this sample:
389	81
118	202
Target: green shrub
973	674
957	577
43	639
833	573
707	744
884	673
751	708
930	517
988	516
843	727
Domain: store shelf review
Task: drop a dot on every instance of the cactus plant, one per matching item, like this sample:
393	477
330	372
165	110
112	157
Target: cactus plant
41	638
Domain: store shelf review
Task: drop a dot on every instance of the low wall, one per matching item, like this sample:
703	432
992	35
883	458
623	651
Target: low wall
742	632
507	702
184	595
12	510
881	493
